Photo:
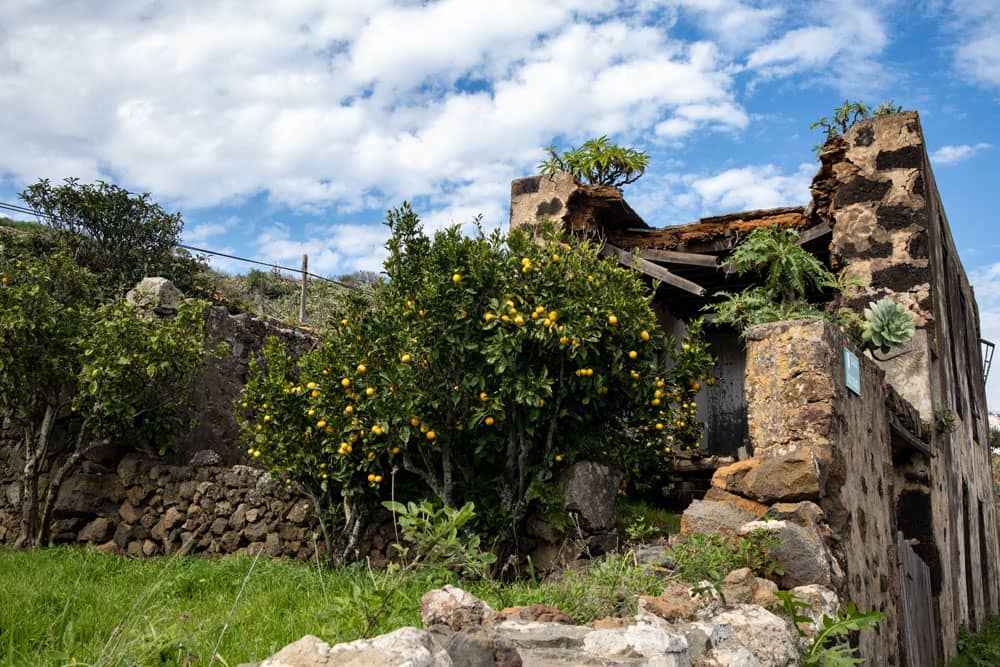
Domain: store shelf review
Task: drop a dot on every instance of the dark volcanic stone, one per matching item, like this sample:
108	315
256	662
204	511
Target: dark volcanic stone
901	277
860	189
906	157
865	137
523	186
899	217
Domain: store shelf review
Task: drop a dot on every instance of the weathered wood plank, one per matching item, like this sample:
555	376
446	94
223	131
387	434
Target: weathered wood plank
918	606
900	429
814	233
675	257
652	270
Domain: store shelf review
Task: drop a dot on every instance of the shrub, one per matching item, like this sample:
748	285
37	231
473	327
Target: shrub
598	162
60	353
482	366
119	235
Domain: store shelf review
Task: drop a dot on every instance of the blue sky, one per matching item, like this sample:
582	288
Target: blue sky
283	128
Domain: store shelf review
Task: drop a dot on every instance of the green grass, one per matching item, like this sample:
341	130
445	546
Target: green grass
65	605
21	225
981	649
645	521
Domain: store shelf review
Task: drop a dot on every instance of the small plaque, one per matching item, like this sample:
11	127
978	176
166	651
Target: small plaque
852	371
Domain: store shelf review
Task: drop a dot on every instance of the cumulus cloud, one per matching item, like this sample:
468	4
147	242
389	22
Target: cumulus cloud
949	155
753	187
840	37
976	24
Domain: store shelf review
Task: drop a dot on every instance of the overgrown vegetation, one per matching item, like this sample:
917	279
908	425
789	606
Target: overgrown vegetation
711	557
64	353
116	611
845	116
598	162
981	649
791	276
828	644
482	367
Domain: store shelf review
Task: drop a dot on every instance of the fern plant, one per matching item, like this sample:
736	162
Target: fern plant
598	162
776	255
789	272
887	325
829	648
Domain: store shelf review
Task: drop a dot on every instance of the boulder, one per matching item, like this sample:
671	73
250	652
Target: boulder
768	638
204	458
742	587
591	491
730	477
97	531
801	554
155	294
805	513
453	607
675	603
406	647
478	647
822	602
751	506
541	613
713	516
639	641
791	477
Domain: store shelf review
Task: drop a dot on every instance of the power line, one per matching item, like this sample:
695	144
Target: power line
15	208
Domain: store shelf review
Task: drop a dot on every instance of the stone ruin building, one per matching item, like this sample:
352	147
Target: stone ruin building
908	509
878	503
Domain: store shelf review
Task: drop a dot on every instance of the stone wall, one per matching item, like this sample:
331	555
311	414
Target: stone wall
878	191
801	410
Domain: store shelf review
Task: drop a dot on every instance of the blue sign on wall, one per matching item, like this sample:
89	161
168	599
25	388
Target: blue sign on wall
852	371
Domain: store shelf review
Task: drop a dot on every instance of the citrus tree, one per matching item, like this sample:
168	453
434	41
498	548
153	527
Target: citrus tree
481	366
101	371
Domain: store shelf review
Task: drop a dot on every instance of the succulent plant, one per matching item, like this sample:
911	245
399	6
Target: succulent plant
887	325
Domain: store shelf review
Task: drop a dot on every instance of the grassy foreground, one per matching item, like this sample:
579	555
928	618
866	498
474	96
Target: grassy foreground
74	606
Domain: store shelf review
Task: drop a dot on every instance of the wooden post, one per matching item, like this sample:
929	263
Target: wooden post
302	296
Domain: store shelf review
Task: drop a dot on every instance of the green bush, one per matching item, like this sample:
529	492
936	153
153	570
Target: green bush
483	365
120	236
61	352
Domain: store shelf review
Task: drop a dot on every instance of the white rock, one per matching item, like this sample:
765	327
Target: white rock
768	637
645	641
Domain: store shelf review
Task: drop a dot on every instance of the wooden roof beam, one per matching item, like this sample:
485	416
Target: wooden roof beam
675	257
652	270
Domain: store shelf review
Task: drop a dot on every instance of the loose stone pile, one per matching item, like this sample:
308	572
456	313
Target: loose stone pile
675	629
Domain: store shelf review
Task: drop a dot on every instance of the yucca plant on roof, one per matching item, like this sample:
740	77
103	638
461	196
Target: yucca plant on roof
887	325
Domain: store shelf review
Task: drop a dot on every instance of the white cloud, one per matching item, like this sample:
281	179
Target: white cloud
330	104
949	155
839	43
975	25
753	187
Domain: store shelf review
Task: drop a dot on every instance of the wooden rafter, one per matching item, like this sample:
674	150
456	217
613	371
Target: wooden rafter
652	270
675	257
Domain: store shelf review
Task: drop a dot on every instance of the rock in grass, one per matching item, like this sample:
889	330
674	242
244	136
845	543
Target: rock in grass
406	647
452	607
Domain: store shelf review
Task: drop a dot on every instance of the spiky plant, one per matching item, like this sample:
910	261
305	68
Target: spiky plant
887	325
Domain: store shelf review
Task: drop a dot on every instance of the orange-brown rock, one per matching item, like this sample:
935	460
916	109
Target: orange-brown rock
751	506
730	477
541	613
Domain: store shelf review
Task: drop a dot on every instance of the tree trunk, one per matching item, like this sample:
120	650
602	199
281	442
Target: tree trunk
29	503
55	482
